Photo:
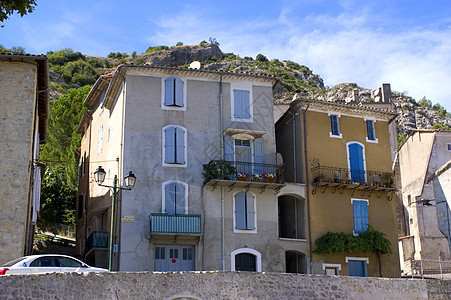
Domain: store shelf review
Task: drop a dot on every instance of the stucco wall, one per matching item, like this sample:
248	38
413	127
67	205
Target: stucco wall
17	98
216	285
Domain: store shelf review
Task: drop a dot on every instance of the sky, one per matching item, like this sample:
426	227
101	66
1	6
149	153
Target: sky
406	43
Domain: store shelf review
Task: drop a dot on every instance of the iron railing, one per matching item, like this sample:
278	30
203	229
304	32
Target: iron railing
97	239
333	175
174	223
244	171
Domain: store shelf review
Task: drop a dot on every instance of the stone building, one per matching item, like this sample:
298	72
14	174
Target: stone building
342	154
202	146
423	165
23	126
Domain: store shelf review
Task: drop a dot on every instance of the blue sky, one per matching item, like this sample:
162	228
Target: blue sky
404	42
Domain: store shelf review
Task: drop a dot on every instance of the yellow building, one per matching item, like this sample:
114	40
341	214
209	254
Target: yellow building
342	153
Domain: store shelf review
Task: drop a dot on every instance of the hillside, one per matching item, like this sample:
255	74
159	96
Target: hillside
71	69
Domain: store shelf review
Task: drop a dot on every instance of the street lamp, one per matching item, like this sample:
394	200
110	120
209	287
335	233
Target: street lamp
130	179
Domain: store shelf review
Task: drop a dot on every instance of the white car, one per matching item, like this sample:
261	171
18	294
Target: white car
45	263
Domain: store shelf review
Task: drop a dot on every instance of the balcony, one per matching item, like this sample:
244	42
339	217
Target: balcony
243	175
97	239
174	224
352	179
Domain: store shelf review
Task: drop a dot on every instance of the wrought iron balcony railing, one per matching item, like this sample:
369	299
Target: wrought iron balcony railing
243	171
174	223
323	175
97	239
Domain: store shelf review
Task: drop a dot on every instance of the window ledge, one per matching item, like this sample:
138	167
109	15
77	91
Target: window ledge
292	240
340	136
375	141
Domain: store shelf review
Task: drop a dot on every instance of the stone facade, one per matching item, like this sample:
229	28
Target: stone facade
19	120
215	285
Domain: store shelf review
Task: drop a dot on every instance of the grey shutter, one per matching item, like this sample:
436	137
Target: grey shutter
180	145
169	198
258	155
240	211
250	212
228	148
237	113
180	191
245	105
169	91
178	92
169	145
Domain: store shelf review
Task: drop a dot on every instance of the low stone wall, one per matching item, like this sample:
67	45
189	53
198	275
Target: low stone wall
215	285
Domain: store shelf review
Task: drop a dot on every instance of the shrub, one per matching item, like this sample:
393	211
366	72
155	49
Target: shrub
157	48
261	57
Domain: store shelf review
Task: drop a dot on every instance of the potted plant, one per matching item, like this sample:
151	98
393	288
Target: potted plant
256	178
218	169
269	178
242	176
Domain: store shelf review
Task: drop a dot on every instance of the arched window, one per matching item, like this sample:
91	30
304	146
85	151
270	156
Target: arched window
246	259
356	161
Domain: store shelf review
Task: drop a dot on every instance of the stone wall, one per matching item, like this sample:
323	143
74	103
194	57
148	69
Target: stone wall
17	98
215	285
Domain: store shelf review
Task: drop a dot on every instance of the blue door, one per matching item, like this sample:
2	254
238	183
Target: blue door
356	162
357	268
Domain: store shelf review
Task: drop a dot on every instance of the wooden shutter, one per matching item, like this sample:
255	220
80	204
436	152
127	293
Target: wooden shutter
250	212
241	104
169	198
334	124
179	145
370	129
169	145
228	148
258	156
178	92
169	85
360	215
356	162
180	191
240	211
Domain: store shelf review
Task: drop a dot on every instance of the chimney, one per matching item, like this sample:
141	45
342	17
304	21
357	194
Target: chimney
356	95
386	93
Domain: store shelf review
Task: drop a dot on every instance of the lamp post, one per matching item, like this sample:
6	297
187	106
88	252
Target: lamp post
130	179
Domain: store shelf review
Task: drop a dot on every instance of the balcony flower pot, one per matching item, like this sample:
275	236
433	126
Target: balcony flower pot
269	178
242	177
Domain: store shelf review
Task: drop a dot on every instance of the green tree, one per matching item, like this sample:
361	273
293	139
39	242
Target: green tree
79	72
261	57
9	7
63	56
57	199
59	151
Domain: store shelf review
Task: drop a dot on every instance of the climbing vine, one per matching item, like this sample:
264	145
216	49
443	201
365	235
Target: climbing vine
370	240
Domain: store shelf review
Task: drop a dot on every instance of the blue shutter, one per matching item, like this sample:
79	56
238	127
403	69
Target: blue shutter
240	211
357	268
250	212
180	145
169	85
241	104
370	129
169	198
178	92
356	162
360	215
180	191
169	145
228	148
237	109
258	156
334	125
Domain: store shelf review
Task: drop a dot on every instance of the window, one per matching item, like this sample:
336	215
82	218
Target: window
174	145
409	200
99	141
371	133
448	146
245	149
246	259
102	97
360	208
173	93
357	266
356	161
175	197
334	126
331	269
244	211
241	106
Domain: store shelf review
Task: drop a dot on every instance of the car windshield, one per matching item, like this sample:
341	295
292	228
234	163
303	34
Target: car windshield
13	262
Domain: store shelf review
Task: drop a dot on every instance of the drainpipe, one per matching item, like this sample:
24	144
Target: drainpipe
307	190
222	156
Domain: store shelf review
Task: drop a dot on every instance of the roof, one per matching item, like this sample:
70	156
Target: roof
42	90
99	86
85	119
119	75
349	109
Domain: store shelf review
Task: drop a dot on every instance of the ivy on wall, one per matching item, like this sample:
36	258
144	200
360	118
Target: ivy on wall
370	240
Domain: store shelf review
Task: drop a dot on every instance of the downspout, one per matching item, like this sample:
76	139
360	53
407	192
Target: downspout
307	190
222	189
88	192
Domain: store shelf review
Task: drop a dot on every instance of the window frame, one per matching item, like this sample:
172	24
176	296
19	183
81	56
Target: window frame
185	139
337	267
354	232
348	158
242	87
163	195
339	135
235	230
258	258
375	140
163	94
100	139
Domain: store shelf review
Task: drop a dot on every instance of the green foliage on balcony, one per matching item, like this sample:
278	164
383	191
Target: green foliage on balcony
218	169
